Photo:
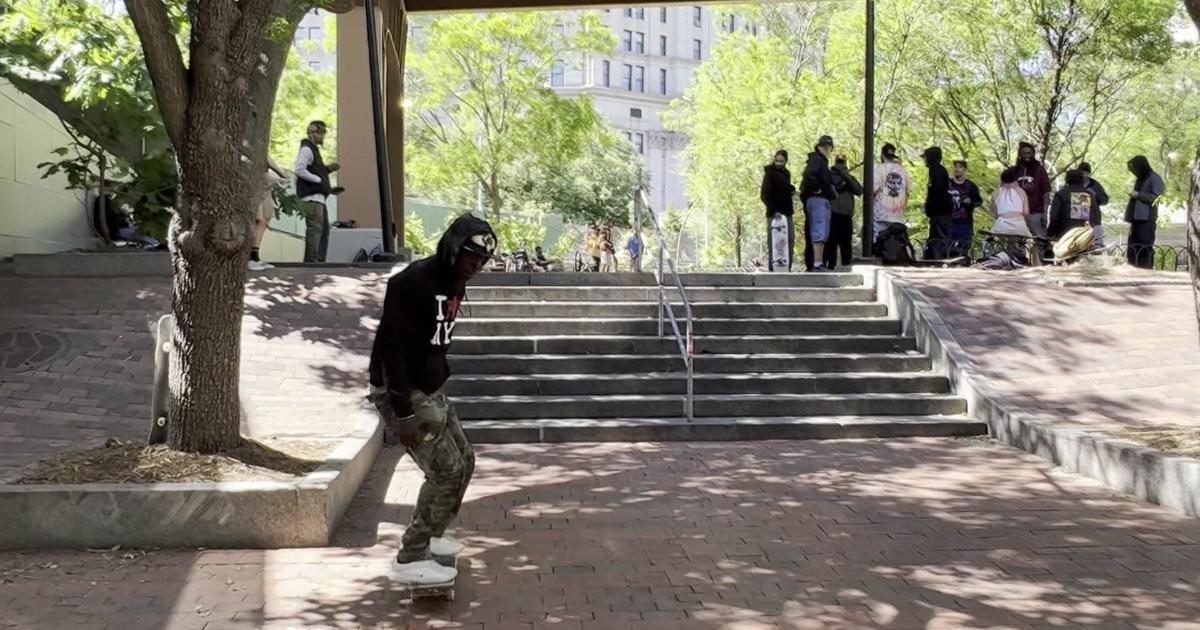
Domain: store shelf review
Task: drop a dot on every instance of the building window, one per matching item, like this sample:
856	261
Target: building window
606	73
640	14
639	43
556	73
662	81
628	12
639	79
662	15
314	65
662	45
639	143
627	76
627	40
697	49
698	17
731	25
635	113
558	29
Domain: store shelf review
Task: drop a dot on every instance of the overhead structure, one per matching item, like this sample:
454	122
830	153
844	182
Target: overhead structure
386	24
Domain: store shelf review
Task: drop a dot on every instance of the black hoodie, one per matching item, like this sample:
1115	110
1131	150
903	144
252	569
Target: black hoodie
818	179
1074	205
1149	186
417	323
777	190
937	195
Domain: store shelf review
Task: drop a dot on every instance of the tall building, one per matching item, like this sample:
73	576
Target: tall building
658	50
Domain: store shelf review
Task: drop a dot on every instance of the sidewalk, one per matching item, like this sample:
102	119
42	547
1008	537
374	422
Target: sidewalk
1103	358
932	533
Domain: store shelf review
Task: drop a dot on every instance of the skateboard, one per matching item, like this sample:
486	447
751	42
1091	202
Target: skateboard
443	590
781	255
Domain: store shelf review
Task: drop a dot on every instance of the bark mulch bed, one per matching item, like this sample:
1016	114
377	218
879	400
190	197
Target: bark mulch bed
1175	440
130	462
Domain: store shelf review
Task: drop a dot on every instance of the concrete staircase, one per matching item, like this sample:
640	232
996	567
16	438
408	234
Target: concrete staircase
576	357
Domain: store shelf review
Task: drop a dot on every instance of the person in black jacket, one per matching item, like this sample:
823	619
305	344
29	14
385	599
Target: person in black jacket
841	230
938	206
818	193
407	371
1142	212
776	193
1101	198
1074	205
964	199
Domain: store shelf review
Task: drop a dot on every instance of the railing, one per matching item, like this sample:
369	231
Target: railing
686	346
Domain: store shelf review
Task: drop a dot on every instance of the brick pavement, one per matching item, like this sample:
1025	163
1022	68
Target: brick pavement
1104	358
306	339
933	533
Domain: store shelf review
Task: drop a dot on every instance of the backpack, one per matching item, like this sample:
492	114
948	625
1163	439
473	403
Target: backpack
1074	242
893	247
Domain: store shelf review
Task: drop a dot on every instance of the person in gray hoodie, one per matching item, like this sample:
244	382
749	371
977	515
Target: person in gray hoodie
1142	212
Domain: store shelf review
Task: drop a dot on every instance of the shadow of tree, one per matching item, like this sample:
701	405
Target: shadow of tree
899	534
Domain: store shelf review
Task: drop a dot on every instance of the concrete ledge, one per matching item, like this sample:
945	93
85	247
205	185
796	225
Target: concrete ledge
717	429
244	514
93	264
1169	480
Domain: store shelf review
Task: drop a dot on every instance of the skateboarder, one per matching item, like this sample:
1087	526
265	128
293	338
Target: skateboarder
408	369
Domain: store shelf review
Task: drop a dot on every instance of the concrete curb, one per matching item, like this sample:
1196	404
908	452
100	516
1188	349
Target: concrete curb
235	515
93	264
1171	481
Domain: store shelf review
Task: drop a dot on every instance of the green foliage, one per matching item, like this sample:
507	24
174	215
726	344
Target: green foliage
1095	80
481	109
521	229
597	187
414	236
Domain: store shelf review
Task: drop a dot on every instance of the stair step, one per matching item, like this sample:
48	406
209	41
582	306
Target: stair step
719	429
649	308
706	363
731	405
649	344
571	279
675	383
651	294
649	326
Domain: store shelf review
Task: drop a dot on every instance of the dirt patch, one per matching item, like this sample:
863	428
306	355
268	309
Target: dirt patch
129	462
1175	440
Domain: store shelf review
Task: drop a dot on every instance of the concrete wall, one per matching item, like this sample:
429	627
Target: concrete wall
356	127
37	216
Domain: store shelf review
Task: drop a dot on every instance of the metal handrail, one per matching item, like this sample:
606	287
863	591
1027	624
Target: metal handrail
686	347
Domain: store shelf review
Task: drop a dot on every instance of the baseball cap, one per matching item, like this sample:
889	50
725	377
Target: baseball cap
481	244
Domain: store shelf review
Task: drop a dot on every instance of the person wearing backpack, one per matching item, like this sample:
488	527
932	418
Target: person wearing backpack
1142	212
938	206
818	193
841	231
1074	205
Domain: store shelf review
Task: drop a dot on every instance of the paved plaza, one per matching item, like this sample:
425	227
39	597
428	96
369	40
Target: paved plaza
930	533
927	533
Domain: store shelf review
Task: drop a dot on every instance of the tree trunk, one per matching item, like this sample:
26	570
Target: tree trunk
494	197
737	241
1193	236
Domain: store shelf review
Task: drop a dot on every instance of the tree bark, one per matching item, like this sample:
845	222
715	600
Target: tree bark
1193	232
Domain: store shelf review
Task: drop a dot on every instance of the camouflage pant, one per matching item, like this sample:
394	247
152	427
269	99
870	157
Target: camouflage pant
448	461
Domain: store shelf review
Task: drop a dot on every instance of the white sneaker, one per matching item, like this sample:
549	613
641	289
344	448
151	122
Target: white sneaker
421	572
445	546
264	265
256	265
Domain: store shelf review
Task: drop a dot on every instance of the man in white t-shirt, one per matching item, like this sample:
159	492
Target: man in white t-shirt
890	192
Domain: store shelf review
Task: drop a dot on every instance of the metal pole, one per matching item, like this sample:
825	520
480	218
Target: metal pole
637	233
381	156
868	229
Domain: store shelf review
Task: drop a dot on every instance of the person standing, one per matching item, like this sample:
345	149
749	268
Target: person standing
593	247
841	228
1074	205
408	369
889	191
1032	176
313	188
1010	205
964	199
273	178
1101	198
777	194
1142	212
938	206
634	247
818	193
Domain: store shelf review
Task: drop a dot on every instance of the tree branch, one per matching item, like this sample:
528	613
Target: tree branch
165	63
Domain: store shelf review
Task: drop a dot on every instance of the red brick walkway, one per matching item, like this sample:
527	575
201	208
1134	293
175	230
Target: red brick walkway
306	338
1099	357
901	534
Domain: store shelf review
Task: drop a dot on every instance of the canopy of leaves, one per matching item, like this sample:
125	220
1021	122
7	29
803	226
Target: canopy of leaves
1075	77
481	107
